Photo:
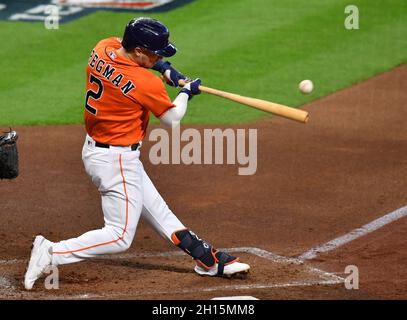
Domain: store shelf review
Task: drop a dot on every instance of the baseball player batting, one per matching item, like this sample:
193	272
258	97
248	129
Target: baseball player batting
121	94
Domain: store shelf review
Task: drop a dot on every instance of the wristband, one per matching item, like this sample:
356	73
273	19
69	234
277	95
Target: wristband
188	92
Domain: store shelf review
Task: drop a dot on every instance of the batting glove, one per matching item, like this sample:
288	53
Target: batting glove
171	75
192	88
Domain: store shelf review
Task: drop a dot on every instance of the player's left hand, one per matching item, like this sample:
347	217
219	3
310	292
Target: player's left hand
170	74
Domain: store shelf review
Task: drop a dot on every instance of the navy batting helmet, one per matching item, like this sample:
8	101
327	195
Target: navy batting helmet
149	34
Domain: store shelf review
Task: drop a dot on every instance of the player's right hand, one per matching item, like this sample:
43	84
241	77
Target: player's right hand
170	74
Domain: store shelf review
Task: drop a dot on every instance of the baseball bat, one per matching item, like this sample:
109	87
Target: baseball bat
267	106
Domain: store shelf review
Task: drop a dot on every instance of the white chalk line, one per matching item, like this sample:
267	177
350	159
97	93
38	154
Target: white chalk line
354	234
207	289
12	261
326	277
194	290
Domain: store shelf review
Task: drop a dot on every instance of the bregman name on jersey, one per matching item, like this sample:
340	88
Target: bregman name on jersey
108	72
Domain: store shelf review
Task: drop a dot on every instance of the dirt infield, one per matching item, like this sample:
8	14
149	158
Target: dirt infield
314	182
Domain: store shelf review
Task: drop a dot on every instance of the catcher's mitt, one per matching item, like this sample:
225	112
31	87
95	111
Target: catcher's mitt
8	155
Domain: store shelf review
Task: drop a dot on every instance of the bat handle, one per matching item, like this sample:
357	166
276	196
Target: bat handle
182	83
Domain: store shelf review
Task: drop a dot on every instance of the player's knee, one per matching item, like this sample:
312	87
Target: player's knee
124	238
124	245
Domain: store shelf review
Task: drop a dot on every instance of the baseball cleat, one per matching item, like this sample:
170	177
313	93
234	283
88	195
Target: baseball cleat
41	258
229	270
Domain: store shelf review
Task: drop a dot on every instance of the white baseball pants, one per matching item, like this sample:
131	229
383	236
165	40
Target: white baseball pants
127	192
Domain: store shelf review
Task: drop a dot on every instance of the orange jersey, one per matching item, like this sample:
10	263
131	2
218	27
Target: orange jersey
119	96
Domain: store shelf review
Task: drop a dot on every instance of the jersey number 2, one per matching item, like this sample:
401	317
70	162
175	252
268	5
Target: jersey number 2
93	94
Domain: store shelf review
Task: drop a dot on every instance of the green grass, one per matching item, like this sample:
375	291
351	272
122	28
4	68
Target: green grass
258	48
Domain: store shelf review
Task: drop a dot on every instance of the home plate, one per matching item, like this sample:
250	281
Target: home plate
235	298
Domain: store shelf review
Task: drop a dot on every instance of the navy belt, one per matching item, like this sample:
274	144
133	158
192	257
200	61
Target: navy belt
103	145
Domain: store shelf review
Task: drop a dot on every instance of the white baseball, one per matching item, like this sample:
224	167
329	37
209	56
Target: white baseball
306	86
